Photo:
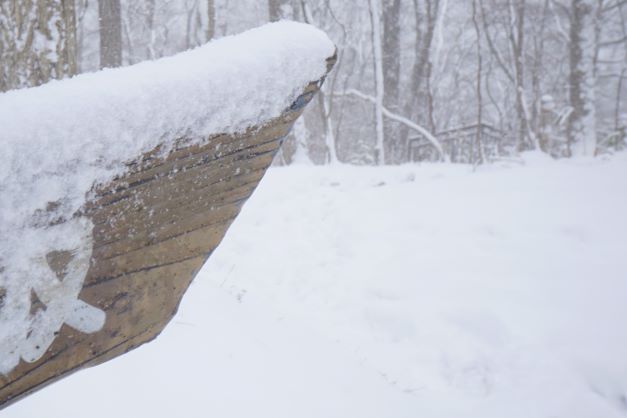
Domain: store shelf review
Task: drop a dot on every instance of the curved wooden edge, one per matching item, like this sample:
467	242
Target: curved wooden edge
153	229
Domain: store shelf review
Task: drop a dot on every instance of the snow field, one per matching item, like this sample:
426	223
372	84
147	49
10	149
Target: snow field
406	291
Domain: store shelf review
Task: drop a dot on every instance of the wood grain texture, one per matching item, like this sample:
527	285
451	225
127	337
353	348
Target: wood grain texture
154	227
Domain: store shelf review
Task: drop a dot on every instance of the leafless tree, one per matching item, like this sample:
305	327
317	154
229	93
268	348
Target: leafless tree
110	23
582	79
277	10
37	42
478	145
211	19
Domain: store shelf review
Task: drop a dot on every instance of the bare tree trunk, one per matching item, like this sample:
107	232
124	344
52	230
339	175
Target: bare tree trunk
68	49
619	89
325	113
150	10
391	52
517	43
430	103
37	42
277	10
110	23
536	78
581	129
478	145
211	19
194	32
375	17
421	102
515	70
391	56
80	9
623	71
327	123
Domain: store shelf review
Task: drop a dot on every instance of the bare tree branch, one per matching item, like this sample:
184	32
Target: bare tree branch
401	119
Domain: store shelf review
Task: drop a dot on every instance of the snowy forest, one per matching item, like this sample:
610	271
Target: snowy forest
313	208
469	81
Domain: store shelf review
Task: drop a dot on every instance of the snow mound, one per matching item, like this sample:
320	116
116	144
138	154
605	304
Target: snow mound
403	291
60	139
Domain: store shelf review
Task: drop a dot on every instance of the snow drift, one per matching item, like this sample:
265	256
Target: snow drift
409	291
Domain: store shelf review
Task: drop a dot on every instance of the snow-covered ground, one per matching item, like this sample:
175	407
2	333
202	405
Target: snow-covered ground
414	291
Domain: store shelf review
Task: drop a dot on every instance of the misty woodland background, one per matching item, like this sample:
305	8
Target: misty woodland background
468	81
406	290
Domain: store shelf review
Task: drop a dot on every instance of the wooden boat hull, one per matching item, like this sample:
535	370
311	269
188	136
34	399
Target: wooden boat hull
153	229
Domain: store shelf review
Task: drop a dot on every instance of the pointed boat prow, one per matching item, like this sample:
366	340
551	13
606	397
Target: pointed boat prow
118	185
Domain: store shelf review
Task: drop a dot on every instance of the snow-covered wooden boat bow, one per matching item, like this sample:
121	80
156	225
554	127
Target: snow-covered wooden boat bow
117	186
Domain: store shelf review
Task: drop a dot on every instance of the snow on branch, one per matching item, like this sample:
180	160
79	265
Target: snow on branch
401	119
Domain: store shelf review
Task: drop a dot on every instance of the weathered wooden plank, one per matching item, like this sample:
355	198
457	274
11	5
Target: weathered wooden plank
153	229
